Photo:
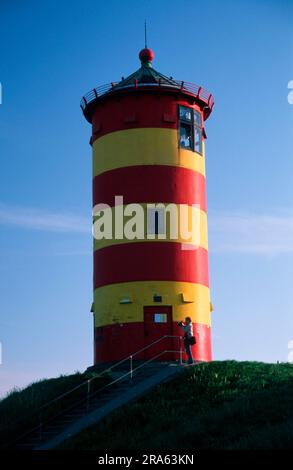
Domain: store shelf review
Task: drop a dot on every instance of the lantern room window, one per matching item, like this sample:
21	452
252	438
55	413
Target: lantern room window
185	114
197	126
186	136
190	129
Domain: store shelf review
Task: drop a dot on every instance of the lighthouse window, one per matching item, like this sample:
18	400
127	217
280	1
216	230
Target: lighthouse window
197	132
185	113
197	139
160	318
190	129
197	118
186	136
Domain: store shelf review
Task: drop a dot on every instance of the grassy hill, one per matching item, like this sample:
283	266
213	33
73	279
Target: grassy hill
219	405
21	410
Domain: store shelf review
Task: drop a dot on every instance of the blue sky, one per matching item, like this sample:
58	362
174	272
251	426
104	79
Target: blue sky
52	52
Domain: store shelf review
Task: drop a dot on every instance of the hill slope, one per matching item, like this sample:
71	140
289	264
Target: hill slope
21	410
219	405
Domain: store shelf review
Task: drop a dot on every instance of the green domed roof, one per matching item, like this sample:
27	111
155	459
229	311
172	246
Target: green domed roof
146	73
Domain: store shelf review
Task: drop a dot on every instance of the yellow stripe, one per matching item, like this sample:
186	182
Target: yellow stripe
186	298
200	231
143	146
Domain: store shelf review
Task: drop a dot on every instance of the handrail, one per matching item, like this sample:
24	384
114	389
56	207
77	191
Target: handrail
109	369
89	381
200	93
35	428
151	344
133	370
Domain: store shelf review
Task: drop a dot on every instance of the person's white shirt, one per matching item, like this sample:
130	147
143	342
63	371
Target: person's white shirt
188	329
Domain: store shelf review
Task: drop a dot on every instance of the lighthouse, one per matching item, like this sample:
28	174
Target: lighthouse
148	151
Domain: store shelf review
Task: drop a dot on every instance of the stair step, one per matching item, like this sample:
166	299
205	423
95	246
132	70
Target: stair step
145	372
71	417
95	406
63	422
113	395
77	411
56	426
47	435
99	402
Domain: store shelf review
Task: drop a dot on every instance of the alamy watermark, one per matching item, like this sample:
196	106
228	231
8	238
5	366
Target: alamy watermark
180	222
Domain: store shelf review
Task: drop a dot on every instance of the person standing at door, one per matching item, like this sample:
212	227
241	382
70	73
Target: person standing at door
187	327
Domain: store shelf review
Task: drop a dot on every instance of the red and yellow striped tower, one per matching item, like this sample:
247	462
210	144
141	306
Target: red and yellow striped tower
148	146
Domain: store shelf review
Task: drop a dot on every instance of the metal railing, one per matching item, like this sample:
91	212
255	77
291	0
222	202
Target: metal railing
89	394
182	86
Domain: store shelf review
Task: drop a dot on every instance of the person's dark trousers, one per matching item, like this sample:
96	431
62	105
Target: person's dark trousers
188	351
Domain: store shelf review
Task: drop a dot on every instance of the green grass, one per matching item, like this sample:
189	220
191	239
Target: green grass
220	405
20	409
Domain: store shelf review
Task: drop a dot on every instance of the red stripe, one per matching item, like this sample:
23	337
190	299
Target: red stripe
150	184
116	342
150	261
133	110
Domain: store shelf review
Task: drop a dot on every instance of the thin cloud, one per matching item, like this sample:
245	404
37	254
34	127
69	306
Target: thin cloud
229	232
36	219
268	234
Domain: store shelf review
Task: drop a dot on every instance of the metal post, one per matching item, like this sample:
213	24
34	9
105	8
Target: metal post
180	348
131	368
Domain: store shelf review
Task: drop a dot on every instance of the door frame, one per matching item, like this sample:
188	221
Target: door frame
167	356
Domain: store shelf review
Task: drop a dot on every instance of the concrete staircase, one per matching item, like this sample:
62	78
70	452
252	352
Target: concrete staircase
83	415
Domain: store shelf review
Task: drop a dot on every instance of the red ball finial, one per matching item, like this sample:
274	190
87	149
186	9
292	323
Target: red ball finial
146	55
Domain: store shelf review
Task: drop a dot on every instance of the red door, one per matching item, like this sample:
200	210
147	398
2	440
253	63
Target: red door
158	323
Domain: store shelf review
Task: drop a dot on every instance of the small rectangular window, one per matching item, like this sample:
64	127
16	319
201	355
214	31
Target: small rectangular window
160	317
190	129
197	118
186	136
185	114
197	139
